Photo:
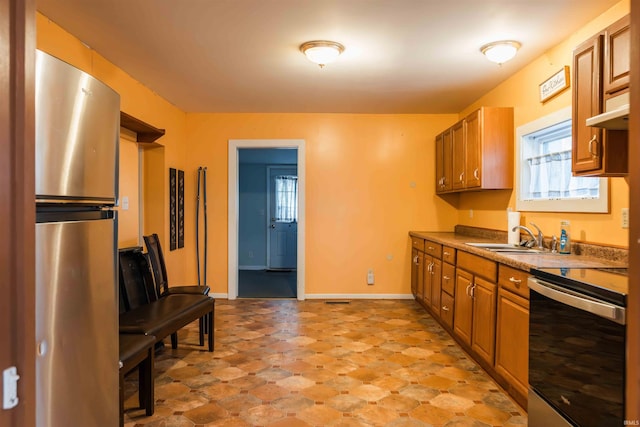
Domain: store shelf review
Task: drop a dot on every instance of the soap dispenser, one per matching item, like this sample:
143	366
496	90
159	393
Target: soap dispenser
565	237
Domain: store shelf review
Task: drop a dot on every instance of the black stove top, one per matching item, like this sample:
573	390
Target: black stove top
608	284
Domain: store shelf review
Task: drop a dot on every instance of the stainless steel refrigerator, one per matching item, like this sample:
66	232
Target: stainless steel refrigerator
77	137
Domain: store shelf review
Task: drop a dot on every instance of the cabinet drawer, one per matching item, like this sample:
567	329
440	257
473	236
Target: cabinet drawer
448	278
417	243
433	249
446	310
477	265
514	280
449	254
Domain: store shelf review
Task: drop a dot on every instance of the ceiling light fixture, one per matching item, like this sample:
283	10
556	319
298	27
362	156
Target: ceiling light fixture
500	52
321	52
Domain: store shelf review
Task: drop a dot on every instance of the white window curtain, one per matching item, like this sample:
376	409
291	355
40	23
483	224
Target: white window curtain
551	178
286	198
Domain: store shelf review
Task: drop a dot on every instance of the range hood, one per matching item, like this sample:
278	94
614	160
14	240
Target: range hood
616	116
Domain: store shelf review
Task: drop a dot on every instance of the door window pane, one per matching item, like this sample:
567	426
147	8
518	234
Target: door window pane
286	198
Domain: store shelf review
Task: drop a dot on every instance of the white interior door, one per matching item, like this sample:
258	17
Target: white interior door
283	231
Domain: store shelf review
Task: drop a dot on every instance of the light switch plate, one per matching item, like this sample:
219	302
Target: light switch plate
625	218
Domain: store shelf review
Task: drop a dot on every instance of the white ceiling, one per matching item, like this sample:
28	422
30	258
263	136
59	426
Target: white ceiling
402	56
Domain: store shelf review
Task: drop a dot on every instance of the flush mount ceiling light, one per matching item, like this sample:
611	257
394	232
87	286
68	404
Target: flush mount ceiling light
500	52
321	52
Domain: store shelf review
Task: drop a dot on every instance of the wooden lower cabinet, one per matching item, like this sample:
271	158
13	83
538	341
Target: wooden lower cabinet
484	318
512	340
483	304
463	314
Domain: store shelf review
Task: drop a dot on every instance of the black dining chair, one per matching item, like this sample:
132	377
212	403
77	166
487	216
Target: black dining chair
159	268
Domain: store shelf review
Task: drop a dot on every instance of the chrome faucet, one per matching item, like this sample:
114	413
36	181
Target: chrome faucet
540	238
527	243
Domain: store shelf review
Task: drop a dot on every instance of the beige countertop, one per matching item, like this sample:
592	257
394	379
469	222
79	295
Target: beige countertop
521	261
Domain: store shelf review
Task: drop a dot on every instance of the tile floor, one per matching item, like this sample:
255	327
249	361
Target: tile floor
292	363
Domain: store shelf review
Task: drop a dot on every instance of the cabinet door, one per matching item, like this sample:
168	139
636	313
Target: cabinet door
436	281
428	279
458	148
447	159
472	168
512	340
463	314
484	318
440	184
587	102
617	54
415	265
420	281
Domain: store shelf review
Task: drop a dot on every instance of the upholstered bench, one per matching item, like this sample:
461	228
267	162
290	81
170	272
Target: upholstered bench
137	351
167	315
143	312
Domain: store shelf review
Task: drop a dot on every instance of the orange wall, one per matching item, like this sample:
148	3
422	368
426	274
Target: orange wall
521	92
128	219
360	202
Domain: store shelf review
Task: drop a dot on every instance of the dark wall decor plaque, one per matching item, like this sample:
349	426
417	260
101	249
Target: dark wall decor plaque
180	209
172	209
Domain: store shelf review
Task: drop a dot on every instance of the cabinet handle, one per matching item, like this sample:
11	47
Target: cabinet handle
467	290
461	177
476	174
415	260
594	139
431	248
473	291
515	281
431	269
445	308
445	253
446	277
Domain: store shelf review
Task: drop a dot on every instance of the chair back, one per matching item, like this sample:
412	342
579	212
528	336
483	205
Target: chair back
136	283
156	257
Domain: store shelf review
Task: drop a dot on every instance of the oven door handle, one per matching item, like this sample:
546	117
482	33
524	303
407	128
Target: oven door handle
607	311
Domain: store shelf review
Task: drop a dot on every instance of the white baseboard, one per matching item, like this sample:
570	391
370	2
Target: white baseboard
252	267
359	296
336	296
219	295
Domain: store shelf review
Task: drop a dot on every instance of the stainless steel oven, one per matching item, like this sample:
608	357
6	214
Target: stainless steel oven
577	347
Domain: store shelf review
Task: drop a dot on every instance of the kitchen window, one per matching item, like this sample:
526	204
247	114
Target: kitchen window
543	169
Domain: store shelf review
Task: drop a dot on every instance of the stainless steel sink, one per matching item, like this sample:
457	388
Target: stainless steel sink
505	247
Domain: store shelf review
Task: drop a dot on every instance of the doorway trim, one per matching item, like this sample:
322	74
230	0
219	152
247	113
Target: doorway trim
233	207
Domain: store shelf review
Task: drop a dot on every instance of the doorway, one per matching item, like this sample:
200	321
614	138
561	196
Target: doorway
266	250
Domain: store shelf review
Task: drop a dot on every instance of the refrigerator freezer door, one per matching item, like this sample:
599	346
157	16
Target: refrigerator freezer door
77	133
76	324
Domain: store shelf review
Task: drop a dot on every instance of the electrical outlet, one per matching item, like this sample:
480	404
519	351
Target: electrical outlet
470	213
370	278
625	218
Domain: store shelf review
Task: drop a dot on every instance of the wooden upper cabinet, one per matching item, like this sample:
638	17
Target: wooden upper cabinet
481	151
473	166
600	72
587	102
458	136
617	57
444	165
